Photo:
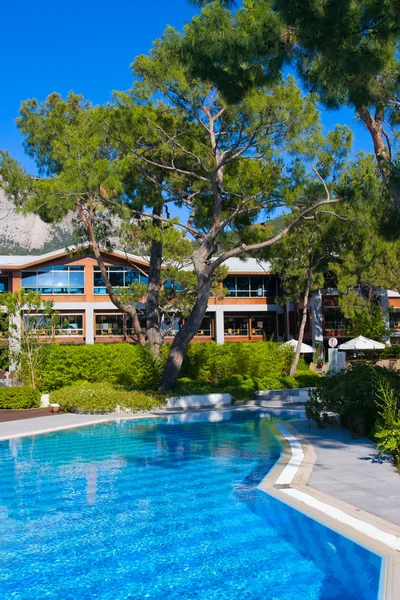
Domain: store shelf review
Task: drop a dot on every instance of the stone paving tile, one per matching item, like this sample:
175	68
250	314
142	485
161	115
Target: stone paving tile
350	470
41	424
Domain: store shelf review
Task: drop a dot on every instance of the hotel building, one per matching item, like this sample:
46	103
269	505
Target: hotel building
73	282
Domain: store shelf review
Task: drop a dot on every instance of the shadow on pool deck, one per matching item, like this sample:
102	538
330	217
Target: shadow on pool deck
350	469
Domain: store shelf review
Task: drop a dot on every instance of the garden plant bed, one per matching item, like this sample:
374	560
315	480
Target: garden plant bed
18	415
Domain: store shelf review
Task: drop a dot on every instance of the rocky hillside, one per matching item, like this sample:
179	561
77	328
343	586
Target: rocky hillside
21	234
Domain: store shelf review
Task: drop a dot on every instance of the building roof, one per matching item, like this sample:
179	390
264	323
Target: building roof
9	261
15	261
247	265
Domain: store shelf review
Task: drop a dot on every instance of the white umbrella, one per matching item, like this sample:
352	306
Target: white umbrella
362	343
305	348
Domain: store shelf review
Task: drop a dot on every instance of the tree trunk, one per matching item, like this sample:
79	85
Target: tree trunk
122	306
382	152
306	300
186	334
154	336
33	378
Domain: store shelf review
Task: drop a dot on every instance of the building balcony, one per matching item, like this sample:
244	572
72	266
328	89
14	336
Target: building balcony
338	325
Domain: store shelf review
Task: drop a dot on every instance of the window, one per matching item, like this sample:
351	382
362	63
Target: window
116	324
242	287
264	325
230	284
109	324
252	287
334	318
394	319
168	285
129	329
330	280
234	326
171	326
69	325
118	276
40	323
3	284
257	286
55	280
205	328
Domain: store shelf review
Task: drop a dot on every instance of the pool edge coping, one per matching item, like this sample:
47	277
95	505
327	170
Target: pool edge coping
111	417
299	466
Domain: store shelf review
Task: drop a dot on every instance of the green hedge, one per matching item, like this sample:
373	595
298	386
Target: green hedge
267	363
124	364
308	379
213	362
352	395
103	397
19	397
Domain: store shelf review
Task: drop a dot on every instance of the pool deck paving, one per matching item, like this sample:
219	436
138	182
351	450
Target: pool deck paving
351	470
49	422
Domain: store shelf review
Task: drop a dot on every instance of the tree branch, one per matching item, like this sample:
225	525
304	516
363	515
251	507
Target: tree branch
244	248
131	310
191	230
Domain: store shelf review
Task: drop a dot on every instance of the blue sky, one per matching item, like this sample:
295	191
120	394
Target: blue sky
86	46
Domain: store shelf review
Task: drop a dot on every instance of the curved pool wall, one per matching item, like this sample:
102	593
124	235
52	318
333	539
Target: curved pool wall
164	510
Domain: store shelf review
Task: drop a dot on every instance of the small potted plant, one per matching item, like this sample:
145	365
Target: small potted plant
54	408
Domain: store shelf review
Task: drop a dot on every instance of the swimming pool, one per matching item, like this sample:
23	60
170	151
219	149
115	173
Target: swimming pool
164	509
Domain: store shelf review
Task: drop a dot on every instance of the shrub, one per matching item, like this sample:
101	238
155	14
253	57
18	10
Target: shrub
389	440
352	395
302	366
390	352
4	359
388	426
309	379
124	364
261	365
103	397
213	362
19	397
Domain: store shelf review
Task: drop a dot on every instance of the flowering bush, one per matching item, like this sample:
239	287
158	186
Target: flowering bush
103	398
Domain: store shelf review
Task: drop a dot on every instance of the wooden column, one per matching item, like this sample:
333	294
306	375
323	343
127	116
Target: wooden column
88	281
16	281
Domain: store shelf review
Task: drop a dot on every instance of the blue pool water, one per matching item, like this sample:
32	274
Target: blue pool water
164	510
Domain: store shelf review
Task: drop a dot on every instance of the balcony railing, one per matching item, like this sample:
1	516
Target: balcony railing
203	333
70	331
111	331
236	332
341	324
